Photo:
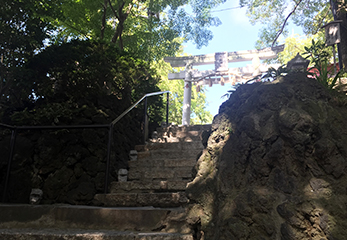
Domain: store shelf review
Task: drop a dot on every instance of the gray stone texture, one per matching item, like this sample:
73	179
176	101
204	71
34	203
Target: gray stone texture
275	165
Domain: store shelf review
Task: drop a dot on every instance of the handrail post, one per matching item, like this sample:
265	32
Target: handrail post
167	109
108	157
13	140
145	127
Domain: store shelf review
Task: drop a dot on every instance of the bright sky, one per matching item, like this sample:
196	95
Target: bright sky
235	33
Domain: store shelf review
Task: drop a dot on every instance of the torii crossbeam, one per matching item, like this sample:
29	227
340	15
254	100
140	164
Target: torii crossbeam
222	72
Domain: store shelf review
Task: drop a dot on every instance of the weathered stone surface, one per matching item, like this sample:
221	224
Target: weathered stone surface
196	145
148	163
54	234
161	173
168	154
148	186
179	134
275	165
145	219
164	199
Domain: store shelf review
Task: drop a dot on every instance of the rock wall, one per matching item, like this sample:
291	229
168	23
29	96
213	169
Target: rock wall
275	165
69	165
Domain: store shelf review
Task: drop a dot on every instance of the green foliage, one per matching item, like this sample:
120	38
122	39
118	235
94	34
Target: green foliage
296	44
46	115
310	15
71	69
319	56
65	78
22	31
273	74
150	28
199	114
86	69
317	53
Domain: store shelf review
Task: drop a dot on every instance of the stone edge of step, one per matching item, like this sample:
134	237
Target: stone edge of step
50	233
156	200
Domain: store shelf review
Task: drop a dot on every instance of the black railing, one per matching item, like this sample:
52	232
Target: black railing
110	127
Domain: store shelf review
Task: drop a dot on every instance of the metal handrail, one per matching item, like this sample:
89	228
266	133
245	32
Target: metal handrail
135	104
109	126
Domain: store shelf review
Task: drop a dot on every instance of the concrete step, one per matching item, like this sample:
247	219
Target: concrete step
144	219
164	200
56	234
148	186
160	173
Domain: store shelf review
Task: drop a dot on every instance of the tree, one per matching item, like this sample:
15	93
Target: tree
150	30
22	32
295	44
311	15
65	78
148	27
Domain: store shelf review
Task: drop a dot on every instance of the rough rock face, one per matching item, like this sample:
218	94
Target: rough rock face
275	165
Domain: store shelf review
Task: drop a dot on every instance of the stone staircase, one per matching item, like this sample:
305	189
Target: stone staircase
149	206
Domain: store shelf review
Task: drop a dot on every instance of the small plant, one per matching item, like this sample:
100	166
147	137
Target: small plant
231	91
317	53
230	130
270	75
325	75
273	74
319	56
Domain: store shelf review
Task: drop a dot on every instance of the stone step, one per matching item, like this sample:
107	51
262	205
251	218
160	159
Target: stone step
149	186
173	145
179	137
182	128
160	173
56	234
181	133
144	219
165	163
161	154
164	200
184	136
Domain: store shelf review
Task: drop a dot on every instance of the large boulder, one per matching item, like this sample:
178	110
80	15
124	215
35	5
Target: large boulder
275	165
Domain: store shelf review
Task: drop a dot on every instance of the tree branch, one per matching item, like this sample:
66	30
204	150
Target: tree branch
321	22
114	11
103	20
285	21
121	19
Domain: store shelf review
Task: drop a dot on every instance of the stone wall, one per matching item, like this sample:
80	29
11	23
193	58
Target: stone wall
275	165
69	165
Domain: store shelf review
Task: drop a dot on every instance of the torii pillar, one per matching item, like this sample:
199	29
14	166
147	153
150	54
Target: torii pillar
187	95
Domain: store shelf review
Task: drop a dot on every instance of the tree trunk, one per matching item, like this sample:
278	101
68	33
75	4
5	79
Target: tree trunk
103	20
341	15
119	30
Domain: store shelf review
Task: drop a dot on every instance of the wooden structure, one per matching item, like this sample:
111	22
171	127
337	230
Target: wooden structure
222	73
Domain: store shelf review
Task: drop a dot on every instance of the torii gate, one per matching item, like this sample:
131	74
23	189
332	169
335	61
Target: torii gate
222	74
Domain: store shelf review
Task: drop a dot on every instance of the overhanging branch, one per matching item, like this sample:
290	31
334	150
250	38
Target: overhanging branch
285	21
